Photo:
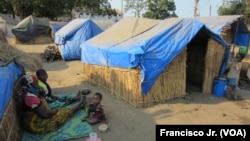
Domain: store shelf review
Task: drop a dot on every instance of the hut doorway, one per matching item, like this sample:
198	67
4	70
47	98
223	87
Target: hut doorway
196	52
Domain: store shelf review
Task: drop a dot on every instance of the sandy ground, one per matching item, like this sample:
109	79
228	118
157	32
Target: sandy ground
127	123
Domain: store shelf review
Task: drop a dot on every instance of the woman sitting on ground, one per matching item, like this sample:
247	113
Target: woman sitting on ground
36	116
58	100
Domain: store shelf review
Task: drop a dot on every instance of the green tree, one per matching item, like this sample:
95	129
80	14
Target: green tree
135	6
160	9
5	7
235	7
53	8
232	8
96	7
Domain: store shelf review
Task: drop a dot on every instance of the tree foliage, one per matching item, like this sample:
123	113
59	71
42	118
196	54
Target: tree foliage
96	7
53	8
5	7
235	7
232	8
160	9
135	6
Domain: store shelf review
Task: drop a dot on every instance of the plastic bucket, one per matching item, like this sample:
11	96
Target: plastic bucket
243	50
219	87
231	81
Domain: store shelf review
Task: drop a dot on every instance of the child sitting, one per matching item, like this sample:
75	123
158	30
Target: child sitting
95	112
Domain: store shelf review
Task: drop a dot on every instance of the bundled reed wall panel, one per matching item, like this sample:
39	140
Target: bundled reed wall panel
41	39
213	60
125	83
9	125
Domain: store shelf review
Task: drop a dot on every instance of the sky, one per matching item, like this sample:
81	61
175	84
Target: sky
184	8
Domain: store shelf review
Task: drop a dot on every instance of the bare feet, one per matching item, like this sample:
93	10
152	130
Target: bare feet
77	97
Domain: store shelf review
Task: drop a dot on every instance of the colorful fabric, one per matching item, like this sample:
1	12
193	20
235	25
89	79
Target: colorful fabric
98	115
31	100
72	129
36	124
96	112
62	100
42	85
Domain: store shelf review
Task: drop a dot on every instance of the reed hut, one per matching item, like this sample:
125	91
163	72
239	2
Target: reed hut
13	64
69	37
158	63
10	129
32	30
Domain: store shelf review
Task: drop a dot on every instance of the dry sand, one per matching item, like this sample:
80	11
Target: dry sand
127	123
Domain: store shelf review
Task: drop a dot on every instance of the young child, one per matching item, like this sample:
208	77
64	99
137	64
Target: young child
233	76
95	112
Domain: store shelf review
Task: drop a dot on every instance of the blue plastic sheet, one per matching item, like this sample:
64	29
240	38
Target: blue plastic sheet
153	50
73	34
8	76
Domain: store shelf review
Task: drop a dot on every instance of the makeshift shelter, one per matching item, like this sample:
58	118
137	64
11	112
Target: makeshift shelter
70	36
9	122
13	64
157	63
32	30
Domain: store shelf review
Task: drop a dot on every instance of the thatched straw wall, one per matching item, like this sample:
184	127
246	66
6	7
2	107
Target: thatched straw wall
213	60
10	129
41	39
125	83
205	57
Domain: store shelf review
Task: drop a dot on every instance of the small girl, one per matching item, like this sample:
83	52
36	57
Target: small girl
95	112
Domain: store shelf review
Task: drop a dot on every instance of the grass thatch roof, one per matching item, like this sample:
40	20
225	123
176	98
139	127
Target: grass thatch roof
8	53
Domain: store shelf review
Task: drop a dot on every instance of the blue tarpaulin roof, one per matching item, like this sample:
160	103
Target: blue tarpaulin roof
8	76
55	28
154	48
73	34
239	31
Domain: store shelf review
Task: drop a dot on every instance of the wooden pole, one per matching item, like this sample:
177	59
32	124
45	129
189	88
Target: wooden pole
196	8
235	37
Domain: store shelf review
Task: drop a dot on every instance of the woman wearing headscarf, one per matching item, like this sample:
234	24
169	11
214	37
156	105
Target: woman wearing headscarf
36	117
